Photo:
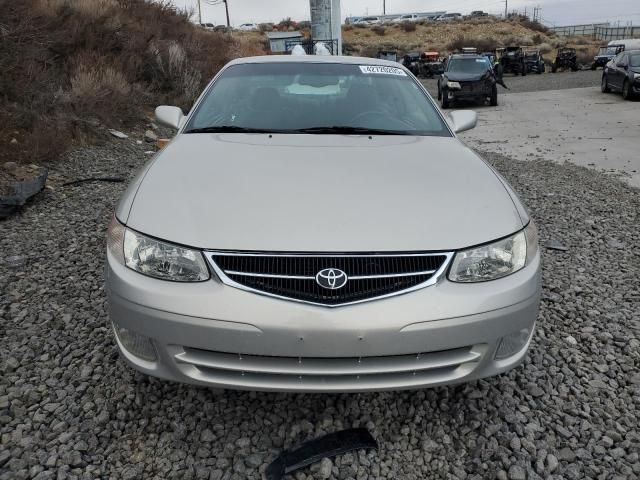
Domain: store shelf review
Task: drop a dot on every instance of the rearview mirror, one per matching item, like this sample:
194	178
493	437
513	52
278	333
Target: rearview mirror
463	120
170	116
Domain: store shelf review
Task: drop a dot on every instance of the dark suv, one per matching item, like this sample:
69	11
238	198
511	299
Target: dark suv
622	74
605	54
468	77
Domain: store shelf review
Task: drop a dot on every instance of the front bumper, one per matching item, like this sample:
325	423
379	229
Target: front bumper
212	334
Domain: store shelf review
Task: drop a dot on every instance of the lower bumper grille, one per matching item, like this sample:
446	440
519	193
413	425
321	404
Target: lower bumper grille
323	374
329	280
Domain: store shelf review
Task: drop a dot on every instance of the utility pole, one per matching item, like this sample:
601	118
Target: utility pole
506	5
226	7
199	14
384	7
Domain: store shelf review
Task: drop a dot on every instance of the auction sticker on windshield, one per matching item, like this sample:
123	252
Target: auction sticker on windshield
379	69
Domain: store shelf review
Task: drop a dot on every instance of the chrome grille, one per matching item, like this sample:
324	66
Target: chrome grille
293	276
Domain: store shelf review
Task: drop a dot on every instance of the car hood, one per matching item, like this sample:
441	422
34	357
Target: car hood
465	77
321	193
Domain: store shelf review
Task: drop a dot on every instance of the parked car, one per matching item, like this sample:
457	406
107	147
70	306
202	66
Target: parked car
468	77
248	27
628	43
478	13
565	58
368	21
533	61
622	74
316	226
411	17
605	55
449	17
208	26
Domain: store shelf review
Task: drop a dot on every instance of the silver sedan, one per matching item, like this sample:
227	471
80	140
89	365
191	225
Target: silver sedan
316	225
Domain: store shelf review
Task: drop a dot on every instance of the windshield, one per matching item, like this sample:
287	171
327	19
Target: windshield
293	97
469	65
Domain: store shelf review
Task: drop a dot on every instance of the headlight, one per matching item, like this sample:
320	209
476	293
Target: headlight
453	85
636	76
163	260
497	259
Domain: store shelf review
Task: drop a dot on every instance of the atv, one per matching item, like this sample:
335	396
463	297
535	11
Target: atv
566	58
533	61
412	62
431	64
512	61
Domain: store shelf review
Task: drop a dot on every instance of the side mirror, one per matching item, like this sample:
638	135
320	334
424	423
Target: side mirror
463	120
170	116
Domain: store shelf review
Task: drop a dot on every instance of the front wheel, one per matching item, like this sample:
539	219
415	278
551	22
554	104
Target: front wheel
574	67
494	97
445	99
604	85
554	67
594	66
439	92
627	94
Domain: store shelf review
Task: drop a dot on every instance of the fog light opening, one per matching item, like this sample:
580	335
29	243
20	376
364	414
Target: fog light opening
512	343
136	344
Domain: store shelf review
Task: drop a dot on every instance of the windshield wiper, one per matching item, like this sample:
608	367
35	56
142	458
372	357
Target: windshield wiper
345	130
232	129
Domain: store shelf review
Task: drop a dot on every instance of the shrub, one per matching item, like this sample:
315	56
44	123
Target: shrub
409	26
531	25
378	30
70	65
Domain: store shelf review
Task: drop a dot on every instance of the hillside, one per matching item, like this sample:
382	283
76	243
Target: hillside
71	69
483	33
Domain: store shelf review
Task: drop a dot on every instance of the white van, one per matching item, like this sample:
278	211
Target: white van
629	43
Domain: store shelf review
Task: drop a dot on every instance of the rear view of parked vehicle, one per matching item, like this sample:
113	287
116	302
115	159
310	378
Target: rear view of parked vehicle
512	61
622	74
566	58
533	61
605	55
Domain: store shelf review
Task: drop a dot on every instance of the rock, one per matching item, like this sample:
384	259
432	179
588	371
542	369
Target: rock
118	134
516	472
556	245
150	137
254	460
10	166
567	455
570	340
325	469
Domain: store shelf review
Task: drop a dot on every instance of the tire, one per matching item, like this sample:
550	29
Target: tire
439	92
524	70
594	66
445	100
574	67
604	85
540	69
494	97
554	68
627	94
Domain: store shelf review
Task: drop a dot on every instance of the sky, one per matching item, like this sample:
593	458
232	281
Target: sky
554	12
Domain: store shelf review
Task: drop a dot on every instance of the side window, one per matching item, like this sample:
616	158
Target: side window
621	60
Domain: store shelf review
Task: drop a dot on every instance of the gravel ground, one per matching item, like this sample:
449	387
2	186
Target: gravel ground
70	408
535	83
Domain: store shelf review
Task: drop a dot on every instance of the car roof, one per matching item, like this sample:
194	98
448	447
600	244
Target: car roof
314	59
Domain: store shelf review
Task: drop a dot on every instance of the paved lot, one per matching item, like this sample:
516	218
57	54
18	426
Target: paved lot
70	408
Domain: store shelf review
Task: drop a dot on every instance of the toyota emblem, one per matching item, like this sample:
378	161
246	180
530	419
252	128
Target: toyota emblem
331	278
